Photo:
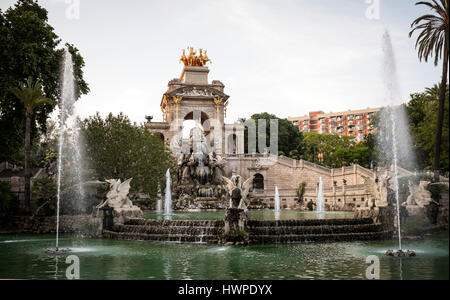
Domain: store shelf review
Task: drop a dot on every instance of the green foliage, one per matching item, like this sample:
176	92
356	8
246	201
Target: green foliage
433	41
294	154
44	192
358	154
116	148
44	148
289	137
28	48
321	148
433	27
31	94
335	151
9	204
422	111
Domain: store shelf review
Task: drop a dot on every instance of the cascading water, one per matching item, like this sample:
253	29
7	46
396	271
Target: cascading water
168	196
69	152
320	208
393	137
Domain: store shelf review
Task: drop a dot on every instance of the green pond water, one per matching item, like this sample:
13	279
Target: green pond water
22	257
255	215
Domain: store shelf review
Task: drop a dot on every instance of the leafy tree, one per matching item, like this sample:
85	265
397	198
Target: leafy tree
421	113
9	203
44	191
28	48
384	122
31	95
422	109
358	154
44	149
289	137
433	41
294	154
323	148
116	148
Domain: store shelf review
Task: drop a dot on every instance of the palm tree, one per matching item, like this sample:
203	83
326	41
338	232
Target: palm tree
433	41
31	96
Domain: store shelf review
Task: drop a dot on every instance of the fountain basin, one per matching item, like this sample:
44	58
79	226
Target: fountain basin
121	260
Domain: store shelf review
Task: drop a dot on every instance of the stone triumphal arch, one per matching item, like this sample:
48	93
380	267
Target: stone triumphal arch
192	97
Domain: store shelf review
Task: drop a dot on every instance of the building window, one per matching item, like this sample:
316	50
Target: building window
258	182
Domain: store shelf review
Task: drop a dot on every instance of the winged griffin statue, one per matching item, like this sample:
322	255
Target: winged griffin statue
117	197
238	190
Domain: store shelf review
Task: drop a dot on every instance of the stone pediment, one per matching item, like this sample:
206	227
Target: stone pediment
197	92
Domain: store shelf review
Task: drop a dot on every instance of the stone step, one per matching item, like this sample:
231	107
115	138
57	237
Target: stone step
173	223
290	223
283	239
306	230
187	230
182	238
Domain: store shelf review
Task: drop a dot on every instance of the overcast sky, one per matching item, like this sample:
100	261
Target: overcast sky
286	57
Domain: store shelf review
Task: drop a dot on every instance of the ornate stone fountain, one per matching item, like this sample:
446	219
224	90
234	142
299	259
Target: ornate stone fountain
200	181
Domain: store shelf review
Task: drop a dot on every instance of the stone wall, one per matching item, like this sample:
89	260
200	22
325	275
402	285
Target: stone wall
85	225
288	174
17	184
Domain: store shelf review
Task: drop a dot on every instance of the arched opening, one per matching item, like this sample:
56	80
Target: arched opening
232	144
199	116
161	137
258	182
196	132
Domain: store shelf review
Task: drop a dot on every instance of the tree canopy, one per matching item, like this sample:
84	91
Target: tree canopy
116	148
289	137
29	48
335	151
422	110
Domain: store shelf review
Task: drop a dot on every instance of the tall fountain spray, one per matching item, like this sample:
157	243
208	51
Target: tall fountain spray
168	196
159	200
69	153
394	138
320	208
277	200
277	206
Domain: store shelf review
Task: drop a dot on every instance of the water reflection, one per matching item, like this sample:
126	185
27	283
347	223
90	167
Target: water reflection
109	259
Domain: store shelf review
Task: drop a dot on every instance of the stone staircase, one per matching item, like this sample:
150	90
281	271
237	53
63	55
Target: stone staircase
188	231
259	232
279	232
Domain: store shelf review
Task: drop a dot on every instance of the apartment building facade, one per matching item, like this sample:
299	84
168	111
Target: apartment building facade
354	123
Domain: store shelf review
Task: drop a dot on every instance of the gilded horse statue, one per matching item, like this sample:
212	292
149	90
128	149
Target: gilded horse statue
194	60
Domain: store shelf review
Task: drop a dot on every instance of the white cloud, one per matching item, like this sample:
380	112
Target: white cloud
285	57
